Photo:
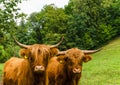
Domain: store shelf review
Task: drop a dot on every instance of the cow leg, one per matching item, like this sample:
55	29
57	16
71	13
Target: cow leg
77	82
46	79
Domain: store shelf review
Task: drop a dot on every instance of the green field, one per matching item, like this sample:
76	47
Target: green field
104	69
1	71
1	68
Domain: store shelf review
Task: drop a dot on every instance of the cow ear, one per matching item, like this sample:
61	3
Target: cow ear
61	59
24	56
22	53
87	58
54	51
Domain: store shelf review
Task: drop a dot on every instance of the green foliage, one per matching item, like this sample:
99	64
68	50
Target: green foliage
94	22
8	16
86	24
8	49
106	32
3	54
114	11
49	25
13	50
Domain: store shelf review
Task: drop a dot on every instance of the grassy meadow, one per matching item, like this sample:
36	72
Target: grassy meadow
1	68
1	71
104	68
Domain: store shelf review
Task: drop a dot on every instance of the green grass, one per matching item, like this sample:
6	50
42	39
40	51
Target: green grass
104	68
1	68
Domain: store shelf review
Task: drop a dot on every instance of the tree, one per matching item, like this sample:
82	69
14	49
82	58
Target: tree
8	12
92	20
8	25
8	16
48	25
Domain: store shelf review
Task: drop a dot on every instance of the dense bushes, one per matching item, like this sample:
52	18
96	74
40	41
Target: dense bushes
3	54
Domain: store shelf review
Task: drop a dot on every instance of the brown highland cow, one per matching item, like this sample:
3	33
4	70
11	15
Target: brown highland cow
29	70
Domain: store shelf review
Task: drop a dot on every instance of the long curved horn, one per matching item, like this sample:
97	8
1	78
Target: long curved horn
56	45
90	51
61	52
20	44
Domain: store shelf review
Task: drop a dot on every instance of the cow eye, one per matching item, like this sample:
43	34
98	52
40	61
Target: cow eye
70	62
31	59
39	50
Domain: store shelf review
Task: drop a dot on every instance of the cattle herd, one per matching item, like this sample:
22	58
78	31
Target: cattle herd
42	64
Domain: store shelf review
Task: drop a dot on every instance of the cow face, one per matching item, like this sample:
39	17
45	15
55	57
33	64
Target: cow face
74	59
38	56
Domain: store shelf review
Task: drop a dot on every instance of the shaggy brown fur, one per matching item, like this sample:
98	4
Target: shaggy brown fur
31	69
17	72
66	69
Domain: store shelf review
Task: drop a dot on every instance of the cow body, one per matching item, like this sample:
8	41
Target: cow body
17	72
29	70
66	69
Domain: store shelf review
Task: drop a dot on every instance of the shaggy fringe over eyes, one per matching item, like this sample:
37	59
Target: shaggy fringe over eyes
40	51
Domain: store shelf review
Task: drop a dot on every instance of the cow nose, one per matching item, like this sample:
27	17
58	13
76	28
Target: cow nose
39	68
76	70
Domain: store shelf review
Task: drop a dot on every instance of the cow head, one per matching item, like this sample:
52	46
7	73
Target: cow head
38	55
74	58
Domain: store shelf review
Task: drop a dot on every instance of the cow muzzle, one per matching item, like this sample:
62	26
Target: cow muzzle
39	69
76	70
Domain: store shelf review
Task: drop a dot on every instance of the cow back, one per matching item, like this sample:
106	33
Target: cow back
17	72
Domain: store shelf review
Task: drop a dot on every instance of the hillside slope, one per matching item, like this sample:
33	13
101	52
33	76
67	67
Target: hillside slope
104	69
